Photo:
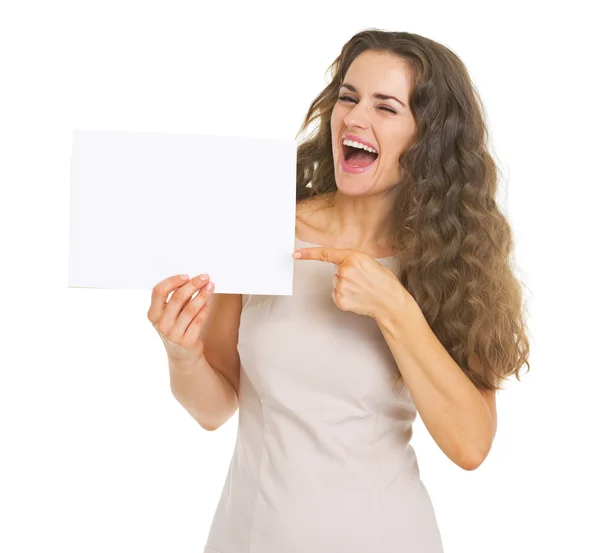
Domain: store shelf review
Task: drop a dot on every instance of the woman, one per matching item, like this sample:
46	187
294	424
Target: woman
404	300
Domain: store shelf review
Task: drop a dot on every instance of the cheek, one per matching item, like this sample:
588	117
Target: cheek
389	166
336	120
398	144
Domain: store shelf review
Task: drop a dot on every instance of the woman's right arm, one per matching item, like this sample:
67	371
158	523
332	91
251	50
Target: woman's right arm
201	342
209	392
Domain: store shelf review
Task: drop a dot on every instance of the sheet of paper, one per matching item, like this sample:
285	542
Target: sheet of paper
145	206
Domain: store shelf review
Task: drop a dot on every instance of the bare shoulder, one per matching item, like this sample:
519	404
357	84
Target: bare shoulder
309	220
306	206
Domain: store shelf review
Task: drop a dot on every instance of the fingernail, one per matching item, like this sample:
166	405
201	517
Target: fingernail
210	286
203	277
184	277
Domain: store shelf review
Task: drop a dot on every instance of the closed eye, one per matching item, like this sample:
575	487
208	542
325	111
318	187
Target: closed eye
345	98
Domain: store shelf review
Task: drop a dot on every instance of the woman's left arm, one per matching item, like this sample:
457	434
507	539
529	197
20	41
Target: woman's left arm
460	417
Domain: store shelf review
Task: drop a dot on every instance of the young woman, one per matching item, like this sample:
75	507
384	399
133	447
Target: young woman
404	300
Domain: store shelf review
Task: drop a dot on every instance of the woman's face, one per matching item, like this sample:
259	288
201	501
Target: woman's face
372	109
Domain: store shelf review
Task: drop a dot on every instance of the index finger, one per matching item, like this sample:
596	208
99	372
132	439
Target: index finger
161	292
331	255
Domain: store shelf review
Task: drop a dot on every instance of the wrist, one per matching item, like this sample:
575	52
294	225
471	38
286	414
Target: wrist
395	318
185	365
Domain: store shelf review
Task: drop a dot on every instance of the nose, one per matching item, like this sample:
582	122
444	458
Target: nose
357	118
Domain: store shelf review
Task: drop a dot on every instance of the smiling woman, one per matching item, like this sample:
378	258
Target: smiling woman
370	123
432	188
404	301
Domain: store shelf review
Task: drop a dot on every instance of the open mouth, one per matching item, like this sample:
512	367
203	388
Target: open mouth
358	156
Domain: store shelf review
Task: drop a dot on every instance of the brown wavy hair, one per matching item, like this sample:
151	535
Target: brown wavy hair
455	243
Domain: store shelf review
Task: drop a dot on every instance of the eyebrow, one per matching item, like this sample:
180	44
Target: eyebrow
378	95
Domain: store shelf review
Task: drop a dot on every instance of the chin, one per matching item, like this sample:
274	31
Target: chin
354	190
354	185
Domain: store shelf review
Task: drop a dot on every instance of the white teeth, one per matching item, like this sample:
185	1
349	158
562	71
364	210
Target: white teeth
354	144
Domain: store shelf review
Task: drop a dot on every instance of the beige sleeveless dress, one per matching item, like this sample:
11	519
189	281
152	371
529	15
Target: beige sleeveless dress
323	461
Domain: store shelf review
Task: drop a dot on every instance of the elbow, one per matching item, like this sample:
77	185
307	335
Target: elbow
208	424
215	423
470	463
208	428
472	459
472	453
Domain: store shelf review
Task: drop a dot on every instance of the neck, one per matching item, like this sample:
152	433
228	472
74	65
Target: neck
361	221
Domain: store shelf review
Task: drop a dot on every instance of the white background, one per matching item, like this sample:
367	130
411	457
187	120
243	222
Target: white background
96	455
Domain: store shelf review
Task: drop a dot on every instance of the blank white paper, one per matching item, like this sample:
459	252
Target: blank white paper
145	206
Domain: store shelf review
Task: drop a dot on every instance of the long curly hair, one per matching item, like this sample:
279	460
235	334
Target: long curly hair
455	243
